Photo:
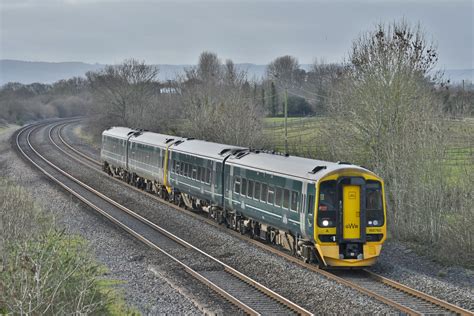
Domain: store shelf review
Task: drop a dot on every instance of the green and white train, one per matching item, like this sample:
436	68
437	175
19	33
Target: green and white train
329	213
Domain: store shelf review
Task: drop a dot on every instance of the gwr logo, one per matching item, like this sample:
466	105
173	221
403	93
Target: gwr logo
352	226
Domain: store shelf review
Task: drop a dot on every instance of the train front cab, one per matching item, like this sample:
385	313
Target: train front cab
350	221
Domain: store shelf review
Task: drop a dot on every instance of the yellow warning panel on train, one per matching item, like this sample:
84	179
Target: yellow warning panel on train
351	211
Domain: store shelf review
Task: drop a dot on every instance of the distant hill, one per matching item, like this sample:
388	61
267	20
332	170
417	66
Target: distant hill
47	72
44	72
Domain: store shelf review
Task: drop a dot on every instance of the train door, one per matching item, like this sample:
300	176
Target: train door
308	207
351	211
351	217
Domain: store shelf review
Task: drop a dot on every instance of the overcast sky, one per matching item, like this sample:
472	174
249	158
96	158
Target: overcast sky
175	32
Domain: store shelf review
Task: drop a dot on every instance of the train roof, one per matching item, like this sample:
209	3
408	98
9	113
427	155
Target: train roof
119	132
300	167
203	148
294	166
155	139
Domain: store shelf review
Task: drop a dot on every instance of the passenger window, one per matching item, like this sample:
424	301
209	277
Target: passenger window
199	171
286	198
278	196
271	195
237	185
208	176
194	173
294	201
244	187
264	192
257	191
250	189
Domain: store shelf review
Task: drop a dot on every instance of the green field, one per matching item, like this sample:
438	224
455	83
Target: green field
303	133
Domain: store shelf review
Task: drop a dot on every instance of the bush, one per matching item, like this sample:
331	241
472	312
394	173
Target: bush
44	270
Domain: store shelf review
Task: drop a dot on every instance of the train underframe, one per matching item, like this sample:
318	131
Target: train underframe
236	221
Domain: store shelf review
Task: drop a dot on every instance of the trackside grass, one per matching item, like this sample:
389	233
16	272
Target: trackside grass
44	270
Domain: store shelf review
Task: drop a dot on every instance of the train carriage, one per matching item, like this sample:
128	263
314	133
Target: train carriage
195	169
326	212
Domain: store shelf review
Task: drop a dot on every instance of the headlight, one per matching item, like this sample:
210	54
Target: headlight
325	222
376	222
370	223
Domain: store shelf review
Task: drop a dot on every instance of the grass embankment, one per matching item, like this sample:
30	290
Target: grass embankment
44	270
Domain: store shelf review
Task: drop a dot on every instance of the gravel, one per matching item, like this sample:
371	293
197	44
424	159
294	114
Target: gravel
151	282
453	284
306	288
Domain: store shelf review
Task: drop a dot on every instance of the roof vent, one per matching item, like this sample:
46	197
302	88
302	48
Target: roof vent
241	154
225	150
343	163
317	169
169	140
178	142
238	150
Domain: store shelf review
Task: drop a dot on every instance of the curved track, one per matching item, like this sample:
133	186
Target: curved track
401	297
250	296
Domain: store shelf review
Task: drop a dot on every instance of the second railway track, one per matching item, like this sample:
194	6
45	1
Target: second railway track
399	296
247	294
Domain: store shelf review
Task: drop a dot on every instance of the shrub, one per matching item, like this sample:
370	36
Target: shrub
42	269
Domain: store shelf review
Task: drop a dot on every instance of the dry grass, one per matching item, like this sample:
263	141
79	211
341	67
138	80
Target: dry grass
43	270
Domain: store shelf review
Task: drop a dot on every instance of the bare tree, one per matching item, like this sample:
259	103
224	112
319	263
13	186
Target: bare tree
209	67
123	92
219	105
320	82
285	71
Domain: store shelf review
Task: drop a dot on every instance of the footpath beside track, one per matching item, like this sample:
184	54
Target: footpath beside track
247	294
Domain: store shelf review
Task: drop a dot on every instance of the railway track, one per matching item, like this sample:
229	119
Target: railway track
399	296
247	294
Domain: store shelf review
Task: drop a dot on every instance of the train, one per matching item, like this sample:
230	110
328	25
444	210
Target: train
332	214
